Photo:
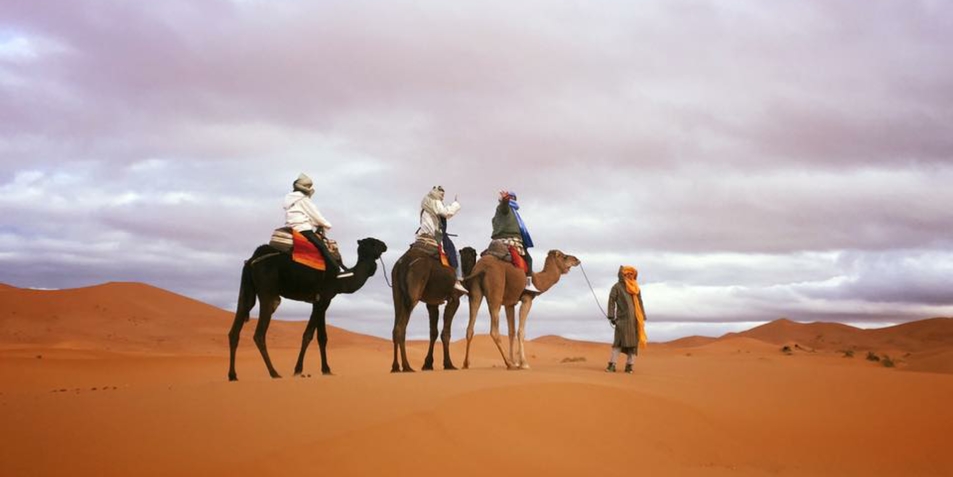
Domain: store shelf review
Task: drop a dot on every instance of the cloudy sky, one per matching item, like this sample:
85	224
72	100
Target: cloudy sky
753	159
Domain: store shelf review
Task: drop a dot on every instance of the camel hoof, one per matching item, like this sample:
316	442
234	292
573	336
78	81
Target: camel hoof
449	367
275	376
427	367
524	366
466	365
409	370
327	372
232	378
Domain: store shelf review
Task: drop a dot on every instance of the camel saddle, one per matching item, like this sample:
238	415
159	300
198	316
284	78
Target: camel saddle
507	253
431	248
287	240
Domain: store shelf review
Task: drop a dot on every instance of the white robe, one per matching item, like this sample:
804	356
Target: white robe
301	214
431	211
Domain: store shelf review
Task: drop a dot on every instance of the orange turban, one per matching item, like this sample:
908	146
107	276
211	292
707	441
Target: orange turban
629	275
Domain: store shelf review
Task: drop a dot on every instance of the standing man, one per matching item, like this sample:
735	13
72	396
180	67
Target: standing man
508	227
628	316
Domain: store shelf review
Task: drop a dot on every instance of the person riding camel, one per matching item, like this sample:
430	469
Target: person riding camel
433	225
627	315
508	227
302	215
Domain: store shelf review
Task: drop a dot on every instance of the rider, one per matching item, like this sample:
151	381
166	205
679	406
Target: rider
433	225
302	215
508	226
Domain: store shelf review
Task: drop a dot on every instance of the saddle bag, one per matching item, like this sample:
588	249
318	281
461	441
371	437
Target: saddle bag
281	239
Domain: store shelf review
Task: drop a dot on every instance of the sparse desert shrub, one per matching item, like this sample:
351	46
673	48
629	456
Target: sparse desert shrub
575	359
887	362
848	353
871	356
786	349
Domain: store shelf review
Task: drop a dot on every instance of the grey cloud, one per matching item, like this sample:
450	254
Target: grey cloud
730	149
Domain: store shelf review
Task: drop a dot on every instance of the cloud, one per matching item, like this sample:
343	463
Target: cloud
754	161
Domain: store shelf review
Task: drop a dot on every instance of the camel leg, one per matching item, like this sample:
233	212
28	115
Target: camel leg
267	308
448	312
233	336
434	312
525	306
511	331
401	319
306	340
401	316
495	331
395	336
321	309
405	365
476	296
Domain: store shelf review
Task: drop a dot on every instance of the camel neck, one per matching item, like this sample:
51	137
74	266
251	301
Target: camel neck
362	271
547	277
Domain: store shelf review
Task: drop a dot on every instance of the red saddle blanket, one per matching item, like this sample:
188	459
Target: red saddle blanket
518	261
306	253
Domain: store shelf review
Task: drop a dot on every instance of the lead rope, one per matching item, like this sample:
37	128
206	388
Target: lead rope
593	291
385	272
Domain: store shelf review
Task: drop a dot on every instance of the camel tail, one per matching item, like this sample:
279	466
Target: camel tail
475	274
399	279
246	294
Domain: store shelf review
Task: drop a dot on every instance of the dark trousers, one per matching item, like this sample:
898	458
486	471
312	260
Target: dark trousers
529	263
332	265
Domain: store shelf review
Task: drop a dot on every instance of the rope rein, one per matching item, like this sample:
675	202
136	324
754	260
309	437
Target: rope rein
386	280
592	290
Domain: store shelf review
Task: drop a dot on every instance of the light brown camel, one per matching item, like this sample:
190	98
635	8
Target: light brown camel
418	277
503	285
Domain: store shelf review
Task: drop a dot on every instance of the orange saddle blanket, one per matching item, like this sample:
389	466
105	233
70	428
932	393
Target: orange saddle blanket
443	257
306	253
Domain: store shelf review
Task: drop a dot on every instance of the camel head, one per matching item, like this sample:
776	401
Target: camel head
562	261
370	249
468	258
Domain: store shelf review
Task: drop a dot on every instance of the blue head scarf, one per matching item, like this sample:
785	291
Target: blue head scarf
527	240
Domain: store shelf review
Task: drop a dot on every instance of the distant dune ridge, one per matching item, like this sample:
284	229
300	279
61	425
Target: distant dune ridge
129	317
140	318
137	318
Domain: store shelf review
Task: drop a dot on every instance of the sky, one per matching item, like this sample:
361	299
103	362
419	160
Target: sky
754	160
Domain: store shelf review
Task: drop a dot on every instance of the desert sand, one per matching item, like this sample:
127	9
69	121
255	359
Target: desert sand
126	379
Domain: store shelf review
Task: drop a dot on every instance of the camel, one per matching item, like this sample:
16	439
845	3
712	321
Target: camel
502	285
418	277
270	275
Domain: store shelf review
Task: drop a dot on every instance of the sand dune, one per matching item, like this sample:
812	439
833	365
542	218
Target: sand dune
76	400
130	317
915	346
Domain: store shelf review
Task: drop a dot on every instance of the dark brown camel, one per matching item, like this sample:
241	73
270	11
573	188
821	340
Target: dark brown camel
269	275
418	277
